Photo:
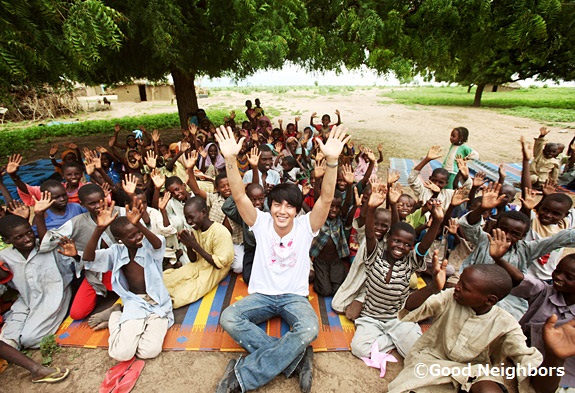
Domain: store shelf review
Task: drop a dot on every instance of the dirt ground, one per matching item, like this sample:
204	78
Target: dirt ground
404	131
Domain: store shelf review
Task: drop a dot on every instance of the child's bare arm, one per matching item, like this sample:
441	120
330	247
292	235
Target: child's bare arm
338	114
369	171
104	219
189	163
393	195
378	194
313	115
40	207
5	193
498	246
459	198
417	298
490	199
433	154
253	160
525	174
14	162
437	215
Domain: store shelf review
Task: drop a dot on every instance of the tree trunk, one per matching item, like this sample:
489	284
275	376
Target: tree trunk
478	93
185	95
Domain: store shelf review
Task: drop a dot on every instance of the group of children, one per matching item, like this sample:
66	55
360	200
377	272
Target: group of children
179	229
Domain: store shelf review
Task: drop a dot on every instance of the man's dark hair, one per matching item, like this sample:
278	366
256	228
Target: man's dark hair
9	222
89	189
173	180
286	192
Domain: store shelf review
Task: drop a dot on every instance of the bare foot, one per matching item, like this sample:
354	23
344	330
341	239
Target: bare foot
99	320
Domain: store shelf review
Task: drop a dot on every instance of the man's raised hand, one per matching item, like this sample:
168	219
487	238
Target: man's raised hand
227	141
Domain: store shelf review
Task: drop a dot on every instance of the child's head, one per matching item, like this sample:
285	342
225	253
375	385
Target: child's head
106	160
439	177
257	101
164	151
400	241
482	286
340	184
213	151
196	212
405	205
69	155
17	231
509	192
91	196
205	124
291	144
266	158
246	125
249	104
222	185
382	222
126	233
201	114
515	225
564	276
72	172
560	148
141	195
290	128
131	141
177	188
325	119
459	136
551	150
335	207
288	163
276	134
553	208
58	193
132	156
256	194
308	132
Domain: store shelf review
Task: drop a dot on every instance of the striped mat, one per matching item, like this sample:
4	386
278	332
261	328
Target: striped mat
512	170
197	327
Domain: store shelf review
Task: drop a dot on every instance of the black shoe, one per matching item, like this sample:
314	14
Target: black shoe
229	383
304	370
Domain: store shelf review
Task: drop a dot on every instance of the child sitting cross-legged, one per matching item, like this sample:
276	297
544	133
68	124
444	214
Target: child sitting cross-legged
469	332
136	264
389	265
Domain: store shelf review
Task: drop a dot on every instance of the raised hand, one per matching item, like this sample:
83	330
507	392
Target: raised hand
498	243
101	149
44	203
53	149
193	129
380	148
155	136
369	154
297	118
394	193
436	210
112	141
357	198
530	200
129	184
544	131
151	159
431	186
254	157
96	159
452	226
314	115
459	196
560	340
278	147
71	145
135	213
526	149
185	145
163	202
501	172
189	159
462	165
347	173
439	271
549	187
378	194
479	179
393	176
67	247
305	189
13	164
280	122
319	169
158	178
117	128
89	164
335	143
337	112
106	215
491	197
187	238
434	152
19	209
107	189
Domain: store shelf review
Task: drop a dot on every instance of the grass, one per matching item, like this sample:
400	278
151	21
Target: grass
554	106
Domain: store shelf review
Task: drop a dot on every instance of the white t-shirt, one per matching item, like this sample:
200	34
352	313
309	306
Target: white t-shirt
272	178
281	265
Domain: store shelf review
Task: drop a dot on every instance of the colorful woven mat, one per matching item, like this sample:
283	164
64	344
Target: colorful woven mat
197	327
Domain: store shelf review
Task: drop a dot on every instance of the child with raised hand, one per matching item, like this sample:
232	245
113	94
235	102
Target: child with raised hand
467	314
545	164
389	265
521	254
72	173
435	186
136	264
544	299
325	125
458	148
366	164
42	277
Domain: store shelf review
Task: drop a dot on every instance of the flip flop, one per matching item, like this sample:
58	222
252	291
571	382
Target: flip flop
130	378
114	375
57	376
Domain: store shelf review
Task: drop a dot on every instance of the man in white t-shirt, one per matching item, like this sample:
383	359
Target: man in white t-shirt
279	280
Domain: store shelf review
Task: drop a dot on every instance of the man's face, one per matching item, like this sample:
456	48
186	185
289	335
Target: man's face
283	214
194	217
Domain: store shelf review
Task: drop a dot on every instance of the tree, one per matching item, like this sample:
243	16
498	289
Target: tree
50	41
483	41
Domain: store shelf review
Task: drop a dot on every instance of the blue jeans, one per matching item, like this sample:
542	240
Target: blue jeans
269	356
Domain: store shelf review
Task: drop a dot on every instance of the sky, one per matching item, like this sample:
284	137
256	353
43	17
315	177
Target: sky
291	75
